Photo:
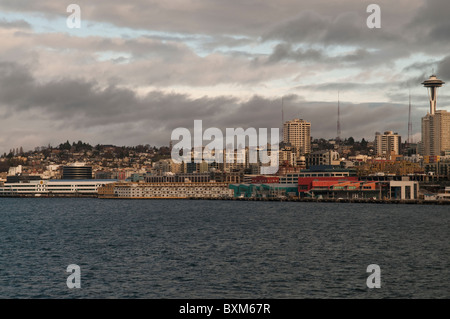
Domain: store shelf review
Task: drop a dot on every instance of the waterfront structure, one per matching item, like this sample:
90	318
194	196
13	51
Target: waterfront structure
286	169
261	179
289	178
387	144
77	171
346	190
22	178
326	171
306	184
273	190
56	187
180	178
298	133
444	195
228	177
436	124
165	190
404	190
353	188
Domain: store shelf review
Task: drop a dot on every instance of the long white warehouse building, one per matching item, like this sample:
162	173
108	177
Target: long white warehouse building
56	187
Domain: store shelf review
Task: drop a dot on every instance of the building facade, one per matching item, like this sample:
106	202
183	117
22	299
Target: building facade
77	171
298	133
53	187
387	144
436	133
165	190
325	157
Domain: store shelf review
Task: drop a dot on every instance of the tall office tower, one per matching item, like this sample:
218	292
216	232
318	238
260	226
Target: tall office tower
436	133
387	144
298	133
436	124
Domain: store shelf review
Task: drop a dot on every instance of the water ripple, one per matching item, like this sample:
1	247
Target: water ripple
214	249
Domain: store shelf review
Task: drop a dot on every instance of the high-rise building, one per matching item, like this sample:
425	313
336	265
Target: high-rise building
436	124
436	133
298	133
387	144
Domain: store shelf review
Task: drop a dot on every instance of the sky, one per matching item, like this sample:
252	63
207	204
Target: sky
134	71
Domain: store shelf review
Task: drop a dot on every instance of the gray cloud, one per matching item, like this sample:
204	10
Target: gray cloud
444	68
95	113
245	17
126	90
348	28
284	51
431	23
17	24
345	86
354	58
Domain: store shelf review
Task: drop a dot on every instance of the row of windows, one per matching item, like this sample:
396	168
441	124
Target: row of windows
148	189
51	186
39	190
173	192
180	196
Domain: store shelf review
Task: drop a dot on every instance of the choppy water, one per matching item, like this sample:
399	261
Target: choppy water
221	249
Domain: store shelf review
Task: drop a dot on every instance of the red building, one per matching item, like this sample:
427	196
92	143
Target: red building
305	184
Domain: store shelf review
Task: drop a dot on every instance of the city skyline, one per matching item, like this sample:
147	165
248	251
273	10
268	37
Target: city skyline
130	75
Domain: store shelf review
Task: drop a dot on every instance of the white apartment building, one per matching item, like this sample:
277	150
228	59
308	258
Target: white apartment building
387	144
298	133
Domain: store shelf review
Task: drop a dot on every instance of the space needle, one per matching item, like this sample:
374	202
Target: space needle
432	84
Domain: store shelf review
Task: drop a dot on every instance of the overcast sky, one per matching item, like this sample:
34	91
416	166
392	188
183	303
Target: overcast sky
136	70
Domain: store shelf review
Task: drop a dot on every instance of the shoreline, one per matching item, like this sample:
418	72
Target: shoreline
304	200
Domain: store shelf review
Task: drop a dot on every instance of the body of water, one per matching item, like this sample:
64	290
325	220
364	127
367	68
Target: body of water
221	249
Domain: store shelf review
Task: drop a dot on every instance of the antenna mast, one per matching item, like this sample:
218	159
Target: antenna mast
282	117
409	120
338	121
